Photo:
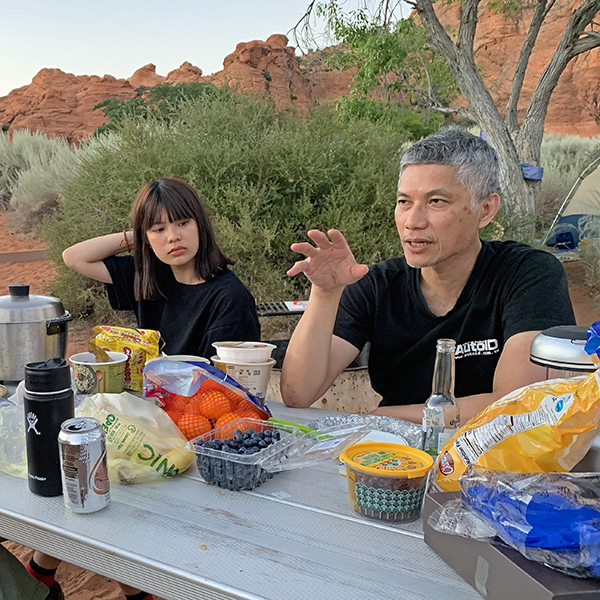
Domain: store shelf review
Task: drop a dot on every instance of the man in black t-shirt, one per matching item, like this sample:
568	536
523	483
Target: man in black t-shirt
491	298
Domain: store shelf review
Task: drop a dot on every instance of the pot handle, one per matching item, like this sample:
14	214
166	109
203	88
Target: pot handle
58	325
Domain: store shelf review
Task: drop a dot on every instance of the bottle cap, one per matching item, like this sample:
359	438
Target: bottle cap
52	375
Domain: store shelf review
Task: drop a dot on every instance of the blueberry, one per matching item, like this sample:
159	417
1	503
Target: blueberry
200	443
242	451
217	444
257	436
235	445
276	435
238	436
250	431
249	443
262	444
268	433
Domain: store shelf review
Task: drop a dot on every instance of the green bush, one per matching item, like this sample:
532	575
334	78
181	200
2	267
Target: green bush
268	177
33	169
160	101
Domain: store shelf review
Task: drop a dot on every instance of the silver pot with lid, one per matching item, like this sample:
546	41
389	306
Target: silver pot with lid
562	351
32	329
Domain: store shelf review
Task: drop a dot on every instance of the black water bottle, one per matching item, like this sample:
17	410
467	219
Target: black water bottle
48	402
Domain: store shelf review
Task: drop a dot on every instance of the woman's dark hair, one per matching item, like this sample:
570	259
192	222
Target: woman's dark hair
180	201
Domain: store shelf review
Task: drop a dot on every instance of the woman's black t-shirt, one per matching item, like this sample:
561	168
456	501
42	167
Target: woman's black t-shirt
513	288
191	317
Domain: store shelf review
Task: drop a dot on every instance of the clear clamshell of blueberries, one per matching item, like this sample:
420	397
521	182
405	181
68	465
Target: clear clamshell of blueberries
228	463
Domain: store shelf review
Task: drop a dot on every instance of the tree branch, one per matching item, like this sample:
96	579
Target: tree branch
448	110
304	23
467	28
571	44
439	36
587	41
461	60
541	12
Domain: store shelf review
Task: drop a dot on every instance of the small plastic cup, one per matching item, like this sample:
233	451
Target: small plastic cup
386	481
93	377
244	352
254	376
187	358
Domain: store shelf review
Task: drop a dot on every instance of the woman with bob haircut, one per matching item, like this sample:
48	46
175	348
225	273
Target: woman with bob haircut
175	277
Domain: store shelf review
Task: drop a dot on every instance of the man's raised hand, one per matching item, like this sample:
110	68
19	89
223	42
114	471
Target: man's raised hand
330	264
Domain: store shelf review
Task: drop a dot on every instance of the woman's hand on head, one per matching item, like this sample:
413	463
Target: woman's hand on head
86	257
329	264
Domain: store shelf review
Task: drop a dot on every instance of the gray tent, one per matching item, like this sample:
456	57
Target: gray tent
577	208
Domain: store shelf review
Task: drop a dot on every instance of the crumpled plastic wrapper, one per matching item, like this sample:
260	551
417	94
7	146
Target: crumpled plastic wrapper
410	433
550	518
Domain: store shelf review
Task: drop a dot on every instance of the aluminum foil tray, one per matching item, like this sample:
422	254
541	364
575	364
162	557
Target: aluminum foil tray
409	432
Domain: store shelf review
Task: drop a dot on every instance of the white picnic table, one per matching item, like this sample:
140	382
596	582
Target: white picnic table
295	537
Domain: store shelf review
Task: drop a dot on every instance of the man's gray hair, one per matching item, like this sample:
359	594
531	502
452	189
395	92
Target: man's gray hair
475	161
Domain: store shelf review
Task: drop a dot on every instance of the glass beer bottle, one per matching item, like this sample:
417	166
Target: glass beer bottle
441	414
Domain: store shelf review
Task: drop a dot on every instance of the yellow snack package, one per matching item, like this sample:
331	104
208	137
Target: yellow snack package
544	427
100	354
140	345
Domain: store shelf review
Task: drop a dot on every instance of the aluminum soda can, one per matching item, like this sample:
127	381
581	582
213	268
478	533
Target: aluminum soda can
84	470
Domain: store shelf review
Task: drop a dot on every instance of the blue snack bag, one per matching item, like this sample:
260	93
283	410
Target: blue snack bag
593	341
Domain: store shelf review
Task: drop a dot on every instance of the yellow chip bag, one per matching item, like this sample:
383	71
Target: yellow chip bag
140	345
544	427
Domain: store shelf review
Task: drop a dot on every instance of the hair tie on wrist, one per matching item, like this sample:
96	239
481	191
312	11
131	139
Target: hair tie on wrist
127	246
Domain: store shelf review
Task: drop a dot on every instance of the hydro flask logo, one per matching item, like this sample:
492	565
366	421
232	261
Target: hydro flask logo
32	421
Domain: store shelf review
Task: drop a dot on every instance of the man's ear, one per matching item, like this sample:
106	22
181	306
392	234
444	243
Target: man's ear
488	209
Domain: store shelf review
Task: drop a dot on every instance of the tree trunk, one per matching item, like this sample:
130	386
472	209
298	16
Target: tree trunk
519	192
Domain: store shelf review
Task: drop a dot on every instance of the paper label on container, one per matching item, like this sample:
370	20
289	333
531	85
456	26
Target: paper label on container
473	444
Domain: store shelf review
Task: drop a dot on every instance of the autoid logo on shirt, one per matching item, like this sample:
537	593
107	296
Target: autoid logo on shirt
477	348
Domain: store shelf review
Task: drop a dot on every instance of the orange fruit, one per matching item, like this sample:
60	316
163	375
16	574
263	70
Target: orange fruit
227	432
214	404
193	406
176	402
211	385
244	426
174	414
193	425
247	409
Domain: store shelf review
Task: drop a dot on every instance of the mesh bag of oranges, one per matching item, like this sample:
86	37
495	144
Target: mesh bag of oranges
199	397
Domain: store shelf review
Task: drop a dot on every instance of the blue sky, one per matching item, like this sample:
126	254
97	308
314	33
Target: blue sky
117	37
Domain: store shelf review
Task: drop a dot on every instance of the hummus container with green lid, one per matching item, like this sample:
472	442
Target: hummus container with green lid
386	481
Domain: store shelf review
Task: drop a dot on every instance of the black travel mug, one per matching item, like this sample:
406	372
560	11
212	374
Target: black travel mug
48	402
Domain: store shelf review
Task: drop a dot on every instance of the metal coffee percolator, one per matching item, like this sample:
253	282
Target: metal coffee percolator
562	351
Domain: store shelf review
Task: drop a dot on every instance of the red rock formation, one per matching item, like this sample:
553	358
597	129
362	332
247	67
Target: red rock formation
187	73
269	67
575	104
146	76
61	104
